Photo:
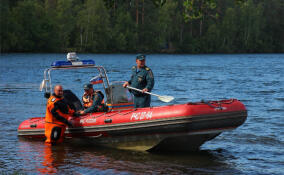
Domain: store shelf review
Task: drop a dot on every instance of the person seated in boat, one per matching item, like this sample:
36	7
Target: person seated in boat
93	100
56	118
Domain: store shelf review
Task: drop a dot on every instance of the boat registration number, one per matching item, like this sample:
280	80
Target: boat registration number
141	116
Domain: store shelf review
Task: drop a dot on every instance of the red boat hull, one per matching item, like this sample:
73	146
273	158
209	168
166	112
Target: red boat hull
180	127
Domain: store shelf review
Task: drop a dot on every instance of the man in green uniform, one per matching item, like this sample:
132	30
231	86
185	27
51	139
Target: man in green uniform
142	78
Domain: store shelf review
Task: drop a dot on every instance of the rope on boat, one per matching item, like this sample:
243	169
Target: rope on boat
210	103
219	107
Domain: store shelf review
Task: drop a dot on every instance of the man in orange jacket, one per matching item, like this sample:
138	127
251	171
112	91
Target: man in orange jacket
56	119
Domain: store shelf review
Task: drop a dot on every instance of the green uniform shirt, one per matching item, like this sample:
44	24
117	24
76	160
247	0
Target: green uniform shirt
140	79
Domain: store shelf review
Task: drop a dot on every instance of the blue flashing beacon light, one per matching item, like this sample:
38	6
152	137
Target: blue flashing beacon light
81	63
73	61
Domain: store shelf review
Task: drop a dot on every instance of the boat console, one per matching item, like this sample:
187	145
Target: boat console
118	97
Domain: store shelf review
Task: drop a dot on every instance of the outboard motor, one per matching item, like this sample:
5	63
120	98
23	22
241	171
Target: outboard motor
72	100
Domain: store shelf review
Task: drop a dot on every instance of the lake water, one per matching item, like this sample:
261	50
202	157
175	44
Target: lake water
257	147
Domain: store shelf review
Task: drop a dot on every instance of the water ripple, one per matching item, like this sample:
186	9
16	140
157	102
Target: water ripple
254	148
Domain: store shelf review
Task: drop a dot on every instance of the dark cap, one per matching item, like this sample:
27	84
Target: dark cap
140	57
88	86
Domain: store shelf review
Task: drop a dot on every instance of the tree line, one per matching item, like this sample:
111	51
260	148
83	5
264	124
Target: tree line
149	26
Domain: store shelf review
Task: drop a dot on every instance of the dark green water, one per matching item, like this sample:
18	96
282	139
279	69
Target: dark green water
257	147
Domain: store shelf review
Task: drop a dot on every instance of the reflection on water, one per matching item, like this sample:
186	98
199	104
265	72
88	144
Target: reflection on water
254	148
84	159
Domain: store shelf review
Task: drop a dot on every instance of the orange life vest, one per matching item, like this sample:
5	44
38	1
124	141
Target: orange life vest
50	105
89	99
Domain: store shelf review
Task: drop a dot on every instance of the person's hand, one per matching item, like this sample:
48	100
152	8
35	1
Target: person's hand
144	90
125	84
81	112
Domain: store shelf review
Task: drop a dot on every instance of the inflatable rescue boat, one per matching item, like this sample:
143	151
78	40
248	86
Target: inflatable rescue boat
179	127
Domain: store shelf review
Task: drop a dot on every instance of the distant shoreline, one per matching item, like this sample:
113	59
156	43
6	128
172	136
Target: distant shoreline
162	53
166	26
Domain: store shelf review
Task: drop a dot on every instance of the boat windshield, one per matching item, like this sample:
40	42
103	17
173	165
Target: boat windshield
118	97
116	94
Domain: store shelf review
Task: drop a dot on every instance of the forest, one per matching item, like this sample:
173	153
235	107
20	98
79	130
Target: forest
145	26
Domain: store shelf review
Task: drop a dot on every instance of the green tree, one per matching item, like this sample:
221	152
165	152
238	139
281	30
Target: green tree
169	23
7	38
199	10
65	22
125	32
242	28
149	30
229	31
252	25
93	23
273	32
189	26
31	27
